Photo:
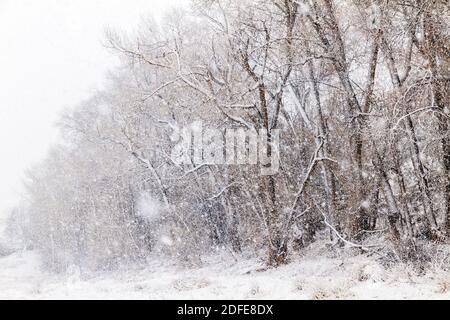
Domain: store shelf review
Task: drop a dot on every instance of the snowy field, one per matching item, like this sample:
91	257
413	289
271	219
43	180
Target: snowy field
306	277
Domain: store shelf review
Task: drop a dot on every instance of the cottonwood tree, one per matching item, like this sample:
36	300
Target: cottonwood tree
355	92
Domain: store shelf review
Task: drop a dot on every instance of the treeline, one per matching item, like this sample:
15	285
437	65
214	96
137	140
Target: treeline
359	91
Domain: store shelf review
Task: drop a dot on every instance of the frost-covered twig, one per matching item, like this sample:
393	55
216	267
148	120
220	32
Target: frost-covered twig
351	244
222	191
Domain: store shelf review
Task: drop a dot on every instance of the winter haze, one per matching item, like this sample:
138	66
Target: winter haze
249	149
52	58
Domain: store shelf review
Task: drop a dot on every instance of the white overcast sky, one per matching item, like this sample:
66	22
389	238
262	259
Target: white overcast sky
51	57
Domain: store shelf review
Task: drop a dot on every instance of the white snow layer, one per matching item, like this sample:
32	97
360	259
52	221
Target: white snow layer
222	277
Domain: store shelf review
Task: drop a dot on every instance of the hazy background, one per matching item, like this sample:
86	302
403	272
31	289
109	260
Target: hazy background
51	57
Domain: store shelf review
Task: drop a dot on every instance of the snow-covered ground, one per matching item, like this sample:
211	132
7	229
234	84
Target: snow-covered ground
221	277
